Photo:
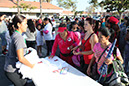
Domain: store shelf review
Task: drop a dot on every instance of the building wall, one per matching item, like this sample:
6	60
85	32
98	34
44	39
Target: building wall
31	13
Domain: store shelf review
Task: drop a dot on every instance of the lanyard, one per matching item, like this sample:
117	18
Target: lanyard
20	34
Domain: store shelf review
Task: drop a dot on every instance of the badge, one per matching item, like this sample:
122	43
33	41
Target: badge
69	39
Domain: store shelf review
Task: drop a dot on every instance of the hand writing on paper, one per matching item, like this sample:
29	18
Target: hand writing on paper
50	56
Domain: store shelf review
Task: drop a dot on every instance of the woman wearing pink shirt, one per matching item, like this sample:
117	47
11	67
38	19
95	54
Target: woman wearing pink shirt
98	49
66	41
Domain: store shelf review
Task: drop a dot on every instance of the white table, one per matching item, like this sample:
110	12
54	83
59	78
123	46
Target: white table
43	76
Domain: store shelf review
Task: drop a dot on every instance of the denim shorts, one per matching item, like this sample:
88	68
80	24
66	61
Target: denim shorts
2	36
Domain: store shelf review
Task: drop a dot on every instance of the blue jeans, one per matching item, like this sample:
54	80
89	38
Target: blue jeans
2	36
126	59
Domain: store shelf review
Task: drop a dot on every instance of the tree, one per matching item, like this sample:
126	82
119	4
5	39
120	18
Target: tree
90	9
67	4
46	0
40	8
23	6
18	10
94	3
119	6
116	5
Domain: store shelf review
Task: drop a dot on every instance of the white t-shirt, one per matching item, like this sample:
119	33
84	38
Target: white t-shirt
39	38
53	35
48	36
54	24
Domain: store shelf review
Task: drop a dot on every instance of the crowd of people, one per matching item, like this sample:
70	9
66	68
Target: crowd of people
84	36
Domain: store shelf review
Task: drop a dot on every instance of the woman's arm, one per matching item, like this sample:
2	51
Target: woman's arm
118	56
45	31
90	65
121	59
75	48
22	59
93	40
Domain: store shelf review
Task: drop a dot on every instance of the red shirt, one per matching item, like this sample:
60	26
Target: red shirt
63	45
87	58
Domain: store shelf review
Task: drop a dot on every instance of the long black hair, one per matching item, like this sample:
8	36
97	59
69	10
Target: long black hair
31	25
11	29
105	31
13	26
97	26
17	19
45	19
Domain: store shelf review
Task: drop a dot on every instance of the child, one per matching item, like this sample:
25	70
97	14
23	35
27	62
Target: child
39	40
75	30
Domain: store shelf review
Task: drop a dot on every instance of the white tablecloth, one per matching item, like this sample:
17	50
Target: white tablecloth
44	76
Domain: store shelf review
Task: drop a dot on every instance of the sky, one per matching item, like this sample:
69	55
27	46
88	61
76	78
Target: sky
81	4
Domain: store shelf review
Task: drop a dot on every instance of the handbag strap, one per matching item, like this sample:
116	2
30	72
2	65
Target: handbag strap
103	53
88	38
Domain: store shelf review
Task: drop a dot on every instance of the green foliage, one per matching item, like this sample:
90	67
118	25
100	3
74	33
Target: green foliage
94	2
90	9
46	0
67	4
78	12
24	6
112	5
115	5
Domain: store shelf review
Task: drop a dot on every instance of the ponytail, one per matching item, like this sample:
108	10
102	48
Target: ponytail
11	28
17	19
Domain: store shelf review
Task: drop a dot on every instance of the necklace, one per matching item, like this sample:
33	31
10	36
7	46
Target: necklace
20	34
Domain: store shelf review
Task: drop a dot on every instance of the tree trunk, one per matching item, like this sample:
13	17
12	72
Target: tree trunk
41	9
18	9
120	14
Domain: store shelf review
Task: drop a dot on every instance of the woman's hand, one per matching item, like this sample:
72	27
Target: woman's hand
76	53
32	65
74	48
89	71
50	56
71	47
108	61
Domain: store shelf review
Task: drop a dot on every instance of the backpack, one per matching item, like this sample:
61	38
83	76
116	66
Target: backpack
119	76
